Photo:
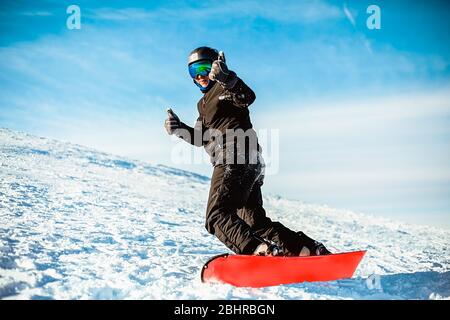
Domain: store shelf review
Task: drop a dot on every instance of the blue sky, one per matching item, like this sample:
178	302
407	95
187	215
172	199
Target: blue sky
363	115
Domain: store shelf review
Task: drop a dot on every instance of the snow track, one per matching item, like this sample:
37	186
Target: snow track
76	223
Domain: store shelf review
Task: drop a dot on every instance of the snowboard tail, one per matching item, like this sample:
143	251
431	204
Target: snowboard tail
263	271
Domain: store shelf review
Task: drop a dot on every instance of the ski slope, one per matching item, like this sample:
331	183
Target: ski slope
76	223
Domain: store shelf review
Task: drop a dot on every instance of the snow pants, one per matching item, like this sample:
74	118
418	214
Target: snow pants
235	213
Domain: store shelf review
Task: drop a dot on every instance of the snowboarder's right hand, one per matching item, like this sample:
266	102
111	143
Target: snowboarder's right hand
220	73
172	122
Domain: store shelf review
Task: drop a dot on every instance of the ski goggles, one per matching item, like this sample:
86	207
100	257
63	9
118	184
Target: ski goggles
200	68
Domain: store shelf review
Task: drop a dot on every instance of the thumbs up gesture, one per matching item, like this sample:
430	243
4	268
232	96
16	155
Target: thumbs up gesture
220	73
172	122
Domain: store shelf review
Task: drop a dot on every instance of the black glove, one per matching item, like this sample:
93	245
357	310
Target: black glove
268	249
172	122
220	73
311	247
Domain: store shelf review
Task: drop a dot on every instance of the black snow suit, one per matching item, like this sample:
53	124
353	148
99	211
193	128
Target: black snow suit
235	212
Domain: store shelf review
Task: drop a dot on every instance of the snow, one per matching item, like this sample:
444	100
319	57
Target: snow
76	223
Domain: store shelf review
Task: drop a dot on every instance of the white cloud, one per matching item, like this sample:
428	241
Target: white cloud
36	13
295	12
373	153
349	15
334	116
120	14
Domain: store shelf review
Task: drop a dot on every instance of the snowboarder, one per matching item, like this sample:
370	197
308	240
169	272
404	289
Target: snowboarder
235	212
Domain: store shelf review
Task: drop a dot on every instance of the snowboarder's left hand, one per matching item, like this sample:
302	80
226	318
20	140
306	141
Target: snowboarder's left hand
220	73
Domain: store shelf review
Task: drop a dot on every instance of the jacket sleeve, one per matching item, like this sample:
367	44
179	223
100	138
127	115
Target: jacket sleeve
192	135
241	94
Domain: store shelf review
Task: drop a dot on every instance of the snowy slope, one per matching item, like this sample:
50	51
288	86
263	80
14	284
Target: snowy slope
80	224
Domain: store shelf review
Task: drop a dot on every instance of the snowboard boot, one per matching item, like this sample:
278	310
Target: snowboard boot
311	247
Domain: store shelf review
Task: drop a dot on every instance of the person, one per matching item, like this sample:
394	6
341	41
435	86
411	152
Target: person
235	212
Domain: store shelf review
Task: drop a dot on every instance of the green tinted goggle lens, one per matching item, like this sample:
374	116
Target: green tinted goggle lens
200	68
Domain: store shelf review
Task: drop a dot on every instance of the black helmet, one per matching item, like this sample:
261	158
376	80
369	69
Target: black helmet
203	53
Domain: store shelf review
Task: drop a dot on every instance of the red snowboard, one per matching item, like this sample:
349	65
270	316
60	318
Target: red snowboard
259	271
